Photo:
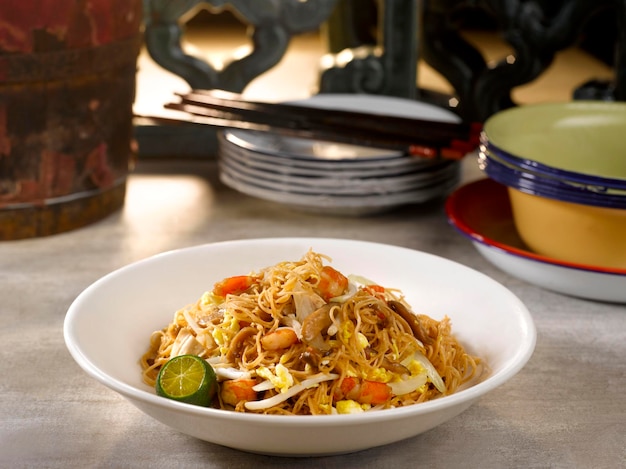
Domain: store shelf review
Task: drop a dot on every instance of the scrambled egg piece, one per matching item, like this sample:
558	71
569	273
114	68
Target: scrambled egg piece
345	331
381	375
281	378
416	368
208	298
363	342
348	406
326	408
221	335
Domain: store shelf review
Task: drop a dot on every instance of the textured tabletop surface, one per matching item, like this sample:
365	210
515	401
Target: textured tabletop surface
566	408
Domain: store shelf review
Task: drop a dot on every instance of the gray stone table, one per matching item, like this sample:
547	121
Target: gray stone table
565	409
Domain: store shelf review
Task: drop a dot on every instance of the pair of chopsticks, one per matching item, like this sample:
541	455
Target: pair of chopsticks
416	137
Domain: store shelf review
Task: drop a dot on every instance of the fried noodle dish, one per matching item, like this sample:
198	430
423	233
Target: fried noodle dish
301	338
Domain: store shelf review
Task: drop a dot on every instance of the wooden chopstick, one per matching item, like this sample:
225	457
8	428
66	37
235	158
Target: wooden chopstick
417	129
270	121
453	152
417	137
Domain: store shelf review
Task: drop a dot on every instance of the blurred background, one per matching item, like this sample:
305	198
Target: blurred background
578	41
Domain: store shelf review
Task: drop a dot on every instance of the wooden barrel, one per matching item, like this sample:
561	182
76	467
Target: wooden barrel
67	85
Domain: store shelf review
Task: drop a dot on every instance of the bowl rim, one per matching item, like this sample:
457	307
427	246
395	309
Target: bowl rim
525	164
534	184
542	168
458	221
515	363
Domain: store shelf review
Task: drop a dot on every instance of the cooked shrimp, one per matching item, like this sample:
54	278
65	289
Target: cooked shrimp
281	338
332	283
233	285
363	391
234	391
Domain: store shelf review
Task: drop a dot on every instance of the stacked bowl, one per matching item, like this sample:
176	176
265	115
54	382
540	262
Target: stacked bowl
564	166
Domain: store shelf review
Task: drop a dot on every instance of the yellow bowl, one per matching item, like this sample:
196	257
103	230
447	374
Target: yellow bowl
584	234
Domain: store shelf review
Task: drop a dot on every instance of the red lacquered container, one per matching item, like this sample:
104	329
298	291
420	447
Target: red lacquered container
67	85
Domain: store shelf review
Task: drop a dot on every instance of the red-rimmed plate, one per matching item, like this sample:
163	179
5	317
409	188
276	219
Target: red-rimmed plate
481	211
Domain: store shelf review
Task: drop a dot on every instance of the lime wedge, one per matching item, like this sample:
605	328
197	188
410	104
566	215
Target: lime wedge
187	378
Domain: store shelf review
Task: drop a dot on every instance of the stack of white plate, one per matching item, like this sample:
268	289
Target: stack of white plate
336	178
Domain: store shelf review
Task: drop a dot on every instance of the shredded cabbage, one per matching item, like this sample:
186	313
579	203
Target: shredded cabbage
263	386
406	386
432	373
305	302
360	280
227	372
192	323
292	391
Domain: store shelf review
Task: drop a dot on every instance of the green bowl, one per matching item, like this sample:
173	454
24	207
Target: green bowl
581	141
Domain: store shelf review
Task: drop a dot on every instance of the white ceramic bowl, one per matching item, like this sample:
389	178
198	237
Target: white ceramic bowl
124	307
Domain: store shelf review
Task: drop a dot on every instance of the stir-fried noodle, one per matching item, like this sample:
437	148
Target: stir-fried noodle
301	338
